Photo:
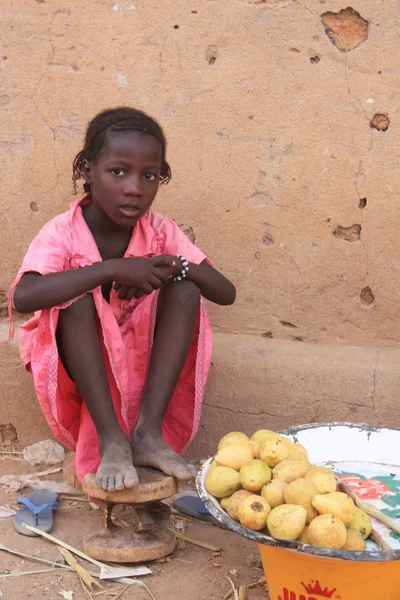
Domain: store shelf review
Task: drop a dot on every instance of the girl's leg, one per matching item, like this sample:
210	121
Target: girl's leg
176	321
82	355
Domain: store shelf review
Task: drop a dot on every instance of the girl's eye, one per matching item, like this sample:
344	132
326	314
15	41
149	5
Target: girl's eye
117	172
151	176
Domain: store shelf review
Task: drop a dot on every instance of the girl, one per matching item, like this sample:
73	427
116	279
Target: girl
120	345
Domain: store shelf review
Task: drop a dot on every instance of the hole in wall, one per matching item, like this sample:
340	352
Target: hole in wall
348	234
211	54
380	122
366	296
346	29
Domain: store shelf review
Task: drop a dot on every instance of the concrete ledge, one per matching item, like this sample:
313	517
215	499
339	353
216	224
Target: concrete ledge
265	383
18	403
254	383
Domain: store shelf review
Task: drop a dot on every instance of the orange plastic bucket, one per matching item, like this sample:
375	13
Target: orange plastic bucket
294	576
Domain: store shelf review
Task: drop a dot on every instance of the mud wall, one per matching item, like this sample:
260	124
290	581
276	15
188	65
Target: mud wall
282	121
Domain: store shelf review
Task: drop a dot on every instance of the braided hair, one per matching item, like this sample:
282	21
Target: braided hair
116	120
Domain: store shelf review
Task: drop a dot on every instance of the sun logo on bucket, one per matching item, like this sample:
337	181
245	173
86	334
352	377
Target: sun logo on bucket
314	592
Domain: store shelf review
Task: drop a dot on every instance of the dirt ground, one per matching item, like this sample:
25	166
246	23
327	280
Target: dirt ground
191	572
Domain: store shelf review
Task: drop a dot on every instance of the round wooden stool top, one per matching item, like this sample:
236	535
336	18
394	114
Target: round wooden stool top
153	485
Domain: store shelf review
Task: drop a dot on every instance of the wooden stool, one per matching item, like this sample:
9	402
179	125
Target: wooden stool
143	538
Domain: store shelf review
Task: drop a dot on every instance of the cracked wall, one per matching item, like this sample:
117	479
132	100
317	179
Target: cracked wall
282	119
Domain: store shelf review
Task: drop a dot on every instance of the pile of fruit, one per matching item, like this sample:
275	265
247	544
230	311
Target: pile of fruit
268	484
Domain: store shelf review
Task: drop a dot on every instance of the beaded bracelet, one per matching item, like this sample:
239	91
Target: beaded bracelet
185	268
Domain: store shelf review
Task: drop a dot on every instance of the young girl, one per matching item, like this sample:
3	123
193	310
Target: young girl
120	345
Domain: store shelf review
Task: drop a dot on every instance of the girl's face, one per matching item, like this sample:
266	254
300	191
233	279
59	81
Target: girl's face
125	178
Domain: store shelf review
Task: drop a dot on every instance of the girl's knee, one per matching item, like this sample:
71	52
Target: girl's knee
78	308
184	293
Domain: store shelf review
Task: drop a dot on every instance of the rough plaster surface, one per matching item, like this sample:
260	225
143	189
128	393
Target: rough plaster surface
282	168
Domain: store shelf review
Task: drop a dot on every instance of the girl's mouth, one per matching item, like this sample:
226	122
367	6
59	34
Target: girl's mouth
129	210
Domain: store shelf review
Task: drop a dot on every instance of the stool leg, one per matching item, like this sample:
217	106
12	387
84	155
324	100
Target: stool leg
143	519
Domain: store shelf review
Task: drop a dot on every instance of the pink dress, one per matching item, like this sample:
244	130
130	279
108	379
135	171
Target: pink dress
127	334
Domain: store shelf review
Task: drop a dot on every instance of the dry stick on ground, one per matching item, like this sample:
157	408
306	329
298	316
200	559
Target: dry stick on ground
83	574
111	591
242	593
86	557
18	573
85	591
369	508
121	592
234	590
261	581
182	536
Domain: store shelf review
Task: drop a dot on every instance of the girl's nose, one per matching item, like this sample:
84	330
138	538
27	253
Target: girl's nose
133	186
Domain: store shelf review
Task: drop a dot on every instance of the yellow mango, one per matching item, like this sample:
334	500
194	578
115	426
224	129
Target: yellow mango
255	446
323	478
233	439
234	456
304	536
253	512
290	469
254	474
273	451
234	502
222	482
287	522
225	502
361	523
354	541
297	451
301	491
335	503
327	531
273	492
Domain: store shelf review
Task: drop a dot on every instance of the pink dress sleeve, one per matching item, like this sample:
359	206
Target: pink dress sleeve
177	242
48	253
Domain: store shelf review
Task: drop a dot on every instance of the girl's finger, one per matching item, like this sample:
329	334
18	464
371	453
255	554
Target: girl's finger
161	274
130	293
116	286
155	282
138	294
146	289
163	261
122	292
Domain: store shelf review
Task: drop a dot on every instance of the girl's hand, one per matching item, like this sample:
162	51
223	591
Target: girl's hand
149	273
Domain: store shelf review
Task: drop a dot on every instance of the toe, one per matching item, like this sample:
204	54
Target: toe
104	482
184	471
131	478
192	470
119	482
111	483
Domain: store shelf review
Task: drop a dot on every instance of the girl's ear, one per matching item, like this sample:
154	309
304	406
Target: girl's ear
86	171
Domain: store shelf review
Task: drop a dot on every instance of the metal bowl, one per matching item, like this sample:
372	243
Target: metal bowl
360	445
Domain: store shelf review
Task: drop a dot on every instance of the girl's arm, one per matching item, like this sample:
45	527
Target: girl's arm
37	292
213	285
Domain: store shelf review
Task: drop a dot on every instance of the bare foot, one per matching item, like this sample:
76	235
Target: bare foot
151	451
116	470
